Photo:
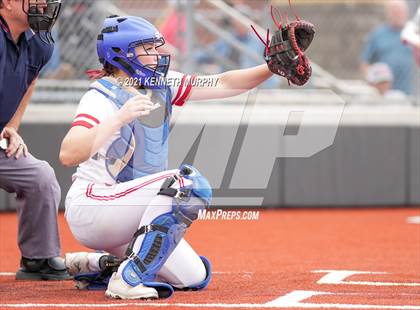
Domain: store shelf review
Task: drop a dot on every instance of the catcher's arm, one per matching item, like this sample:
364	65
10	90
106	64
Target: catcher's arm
229	83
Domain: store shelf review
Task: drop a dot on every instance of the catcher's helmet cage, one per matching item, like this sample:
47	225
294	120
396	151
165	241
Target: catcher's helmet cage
117	44
42	15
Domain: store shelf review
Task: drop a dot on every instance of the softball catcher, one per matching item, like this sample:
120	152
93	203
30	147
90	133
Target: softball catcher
124	202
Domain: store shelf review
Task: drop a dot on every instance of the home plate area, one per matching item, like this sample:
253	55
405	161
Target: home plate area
298	259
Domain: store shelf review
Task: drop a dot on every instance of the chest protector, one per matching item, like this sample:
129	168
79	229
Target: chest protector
142	147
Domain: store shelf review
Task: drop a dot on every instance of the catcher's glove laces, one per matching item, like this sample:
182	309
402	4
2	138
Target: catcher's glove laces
284	53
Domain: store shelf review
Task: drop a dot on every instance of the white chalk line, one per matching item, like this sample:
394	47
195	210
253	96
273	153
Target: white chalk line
295	299
413	219
337	277
248	273
212	305
291	300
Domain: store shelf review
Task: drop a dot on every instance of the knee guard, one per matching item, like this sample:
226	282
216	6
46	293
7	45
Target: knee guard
200	188
164	233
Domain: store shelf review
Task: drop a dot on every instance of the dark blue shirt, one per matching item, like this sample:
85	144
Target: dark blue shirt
384	45
20	64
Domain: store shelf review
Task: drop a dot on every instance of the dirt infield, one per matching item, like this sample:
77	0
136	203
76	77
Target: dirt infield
295	259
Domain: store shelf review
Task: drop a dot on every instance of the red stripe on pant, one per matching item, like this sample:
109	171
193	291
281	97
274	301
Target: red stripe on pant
90	195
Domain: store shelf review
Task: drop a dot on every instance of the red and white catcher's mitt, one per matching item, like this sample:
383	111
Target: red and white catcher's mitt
284	53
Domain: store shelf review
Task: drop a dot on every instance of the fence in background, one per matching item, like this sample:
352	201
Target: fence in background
342	28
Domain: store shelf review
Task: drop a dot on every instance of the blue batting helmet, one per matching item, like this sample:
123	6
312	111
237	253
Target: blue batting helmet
117	44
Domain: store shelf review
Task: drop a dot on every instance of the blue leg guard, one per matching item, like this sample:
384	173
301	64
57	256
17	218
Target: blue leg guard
164	233
201	187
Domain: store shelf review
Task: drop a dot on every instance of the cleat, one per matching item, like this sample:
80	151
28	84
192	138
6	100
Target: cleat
43	269
119	289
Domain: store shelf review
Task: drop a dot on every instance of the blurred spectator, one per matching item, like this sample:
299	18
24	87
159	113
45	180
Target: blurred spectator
384	45
380	76
223	49
174	25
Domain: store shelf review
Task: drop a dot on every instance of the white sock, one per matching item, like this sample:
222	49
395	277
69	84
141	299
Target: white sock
94	261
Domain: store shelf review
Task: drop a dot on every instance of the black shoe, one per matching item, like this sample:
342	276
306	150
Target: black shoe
42	269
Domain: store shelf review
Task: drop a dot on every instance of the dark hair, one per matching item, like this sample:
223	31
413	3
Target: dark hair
110	69
1	4
107	70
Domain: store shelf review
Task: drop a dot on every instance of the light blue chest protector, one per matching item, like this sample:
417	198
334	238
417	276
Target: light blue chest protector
142	148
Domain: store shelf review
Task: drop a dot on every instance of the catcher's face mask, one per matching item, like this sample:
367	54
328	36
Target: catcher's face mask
42	15
145	54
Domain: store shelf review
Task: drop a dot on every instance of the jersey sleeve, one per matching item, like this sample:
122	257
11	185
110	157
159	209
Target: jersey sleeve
181	86
93	109
48	53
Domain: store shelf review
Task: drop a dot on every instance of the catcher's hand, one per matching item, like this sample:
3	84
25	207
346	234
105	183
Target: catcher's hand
284	53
